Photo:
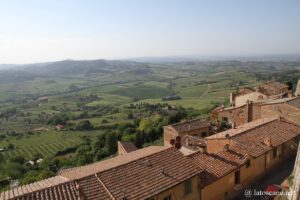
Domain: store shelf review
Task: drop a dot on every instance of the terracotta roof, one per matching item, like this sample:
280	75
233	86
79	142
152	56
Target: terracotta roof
82	171
250	137
127	146
152	171
217	109
242	128
245	90
191	144
278	131
276	85
57	187
92	188
276	101
190	125
295	102
220	164
148	176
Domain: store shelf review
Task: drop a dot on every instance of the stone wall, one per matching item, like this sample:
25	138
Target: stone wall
297	93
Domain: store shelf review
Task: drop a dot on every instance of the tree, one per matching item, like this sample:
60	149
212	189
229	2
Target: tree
1	158
290	84
14	170
18	159
84	125
138	140
111	143
10	146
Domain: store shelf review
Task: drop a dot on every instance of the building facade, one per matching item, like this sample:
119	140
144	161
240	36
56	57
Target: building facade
198	128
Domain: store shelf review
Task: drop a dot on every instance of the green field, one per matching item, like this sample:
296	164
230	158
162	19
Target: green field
102	102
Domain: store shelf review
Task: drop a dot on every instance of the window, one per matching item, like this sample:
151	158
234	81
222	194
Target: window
237	178
248	163
203	134
275	153
168	198
188	187
225	119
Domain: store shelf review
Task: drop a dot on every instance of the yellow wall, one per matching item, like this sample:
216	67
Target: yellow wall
177	192
217	190
259	165
253	96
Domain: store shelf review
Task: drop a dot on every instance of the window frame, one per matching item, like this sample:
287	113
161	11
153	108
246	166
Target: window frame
188	187
275	153
167	197
237	177
248	163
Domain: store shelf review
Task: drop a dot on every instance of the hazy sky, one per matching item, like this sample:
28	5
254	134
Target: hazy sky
48	30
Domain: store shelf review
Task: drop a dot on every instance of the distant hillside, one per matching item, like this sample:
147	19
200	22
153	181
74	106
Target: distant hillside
68	68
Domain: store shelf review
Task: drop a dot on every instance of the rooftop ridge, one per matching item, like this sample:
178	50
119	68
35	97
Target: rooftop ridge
29	189
183	122
290	122
242	128
105	188
111	163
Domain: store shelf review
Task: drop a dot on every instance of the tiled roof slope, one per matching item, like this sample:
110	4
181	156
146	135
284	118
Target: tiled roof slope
33	187
153	170
276	85
250	137
278	131
152	175
295	102
127	146
220	164
242	128
92	189
62	191
190	125
82	171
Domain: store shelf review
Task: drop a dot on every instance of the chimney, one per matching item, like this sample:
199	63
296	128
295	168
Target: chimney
233	125
187	141
249	111
232	98
267	141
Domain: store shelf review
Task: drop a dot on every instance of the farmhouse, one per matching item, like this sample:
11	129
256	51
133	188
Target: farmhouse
274	88
43	99
235	115
263	92
59	127
197	127
289	108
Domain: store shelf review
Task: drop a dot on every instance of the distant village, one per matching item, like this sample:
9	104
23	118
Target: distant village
211	159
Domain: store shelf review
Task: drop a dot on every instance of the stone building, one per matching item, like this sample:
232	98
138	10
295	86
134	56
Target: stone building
266	91
274	88
297	93
195	127
289	108
235	115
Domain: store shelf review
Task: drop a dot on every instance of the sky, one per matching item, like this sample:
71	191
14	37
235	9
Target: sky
50	30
